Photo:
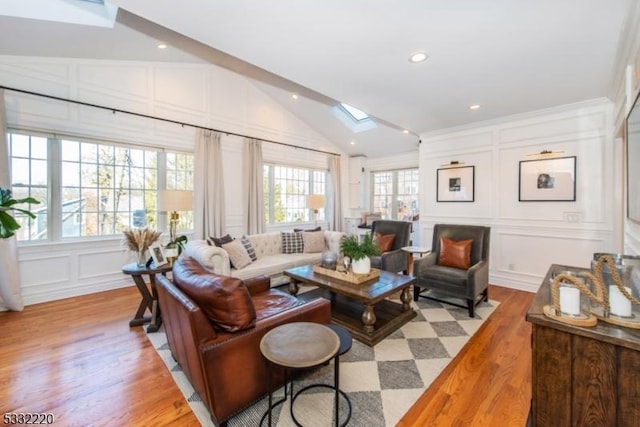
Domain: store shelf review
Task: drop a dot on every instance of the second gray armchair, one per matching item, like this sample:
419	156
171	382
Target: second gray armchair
394	259
458	265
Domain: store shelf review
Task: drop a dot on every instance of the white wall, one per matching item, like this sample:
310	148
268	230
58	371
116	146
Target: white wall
527	237
203	95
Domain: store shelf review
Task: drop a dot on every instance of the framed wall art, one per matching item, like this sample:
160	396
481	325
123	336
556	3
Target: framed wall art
455	184
548	180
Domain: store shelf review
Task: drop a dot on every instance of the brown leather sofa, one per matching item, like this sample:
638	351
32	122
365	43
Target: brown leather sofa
214	325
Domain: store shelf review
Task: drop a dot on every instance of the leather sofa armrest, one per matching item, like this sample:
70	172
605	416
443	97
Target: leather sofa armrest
258	284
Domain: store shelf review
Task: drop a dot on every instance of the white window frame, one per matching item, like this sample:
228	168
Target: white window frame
54	186
315	185
393	209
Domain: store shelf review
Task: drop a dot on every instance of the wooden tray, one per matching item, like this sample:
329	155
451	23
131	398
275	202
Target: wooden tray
347	276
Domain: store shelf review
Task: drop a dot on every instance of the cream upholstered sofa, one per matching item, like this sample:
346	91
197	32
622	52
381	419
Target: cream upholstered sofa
270	259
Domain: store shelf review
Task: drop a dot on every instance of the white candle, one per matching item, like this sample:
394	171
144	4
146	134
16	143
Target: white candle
620	305
570	300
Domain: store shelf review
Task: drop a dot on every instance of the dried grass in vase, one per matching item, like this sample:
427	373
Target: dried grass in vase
138	240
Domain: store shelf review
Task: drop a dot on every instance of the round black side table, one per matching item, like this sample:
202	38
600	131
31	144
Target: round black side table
345	345
302	345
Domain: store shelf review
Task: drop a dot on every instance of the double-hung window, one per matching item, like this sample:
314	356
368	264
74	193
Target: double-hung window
395	194
90	188
285	193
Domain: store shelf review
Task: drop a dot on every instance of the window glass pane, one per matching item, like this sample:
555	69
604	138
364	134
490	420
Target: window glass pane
38	172
179	173
104	188
38	148
286	190
70	174
395	194
20	171
19	145
383	194
29	179
111	189
70	150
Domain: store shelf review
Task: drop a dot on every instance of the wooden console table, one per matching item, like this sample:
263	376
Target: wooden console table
582	376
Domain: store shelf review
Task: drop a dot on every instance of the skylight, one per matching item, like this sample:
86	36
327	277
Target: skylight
357	115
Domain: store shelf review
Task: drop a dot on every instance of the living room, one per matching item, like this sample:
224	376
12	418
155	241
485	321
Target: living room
551	233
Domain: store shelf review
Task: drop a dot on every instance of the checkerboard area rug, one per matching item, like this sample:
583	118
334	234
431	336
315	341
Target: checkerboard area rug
382	382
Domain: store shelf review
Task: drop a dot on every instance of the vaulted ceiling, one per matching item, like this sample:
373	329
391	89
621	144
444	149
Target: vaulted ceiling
507	56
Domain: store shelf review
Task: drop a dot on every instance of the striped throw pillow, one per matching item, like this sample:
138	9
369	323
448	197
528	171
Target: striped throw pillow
249	247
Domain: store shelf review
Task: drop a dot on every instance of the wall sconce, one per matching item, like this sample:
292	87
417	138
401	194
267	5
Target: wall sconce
174	201
452	163
315	202
545	153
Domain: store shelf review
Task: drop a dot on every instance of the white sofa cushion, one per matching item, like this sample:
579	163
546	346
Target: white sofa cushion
270	259
313	241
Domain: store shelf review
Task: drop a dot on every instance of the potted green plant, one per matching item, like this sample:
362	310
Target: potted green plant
359	252
8	224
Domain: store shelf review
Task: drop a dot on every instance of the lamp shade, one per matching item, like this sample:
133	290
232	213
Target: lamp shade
315	201
175	200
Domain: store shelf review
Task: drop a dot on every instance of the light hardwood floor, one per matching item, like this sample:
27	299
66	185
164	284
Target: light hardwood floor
78	359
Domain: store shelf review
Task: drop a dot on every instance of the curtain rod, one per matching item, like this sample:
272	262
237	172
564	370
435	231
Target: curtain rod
117	110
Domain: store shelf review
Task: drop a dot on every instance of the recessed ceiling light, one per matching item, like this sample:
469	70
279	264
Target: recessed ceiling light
294	96
474	107
418	57
405	131
162	46
352	143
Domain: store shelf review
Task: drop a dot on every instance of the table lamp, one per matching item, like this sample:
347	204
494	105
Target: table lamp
174	201
315	202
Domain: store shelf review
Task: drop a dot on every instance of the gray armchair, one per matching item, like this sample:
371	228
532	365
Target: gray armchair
394	260
468	284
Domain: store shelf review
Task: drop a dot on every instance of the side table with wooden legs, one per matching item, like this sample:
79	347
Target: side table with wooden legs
149	297
411	250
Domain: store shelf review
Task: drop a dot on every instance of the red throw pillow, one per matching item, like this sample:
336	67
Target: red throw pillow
384	241
456	254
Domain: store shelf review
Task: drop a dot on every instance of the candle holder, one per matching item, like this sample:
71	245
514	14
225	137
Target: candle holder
570	298
620	277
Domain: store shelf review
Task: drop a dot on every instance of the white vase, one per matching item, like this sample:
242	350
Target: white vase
361	266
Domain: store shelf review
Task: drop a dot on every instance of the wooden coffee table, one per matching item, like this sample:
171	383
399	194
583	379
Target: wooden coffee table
363	309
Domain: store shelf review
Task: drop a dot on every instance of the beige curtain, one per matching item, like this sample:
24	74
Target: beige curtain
208	191
10	287
335	203
254	186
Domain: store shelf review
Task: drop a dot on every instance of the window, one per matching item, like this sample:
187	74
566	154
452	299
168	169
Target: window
29	168
395	194
357	115
90	188
286	190
179	176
